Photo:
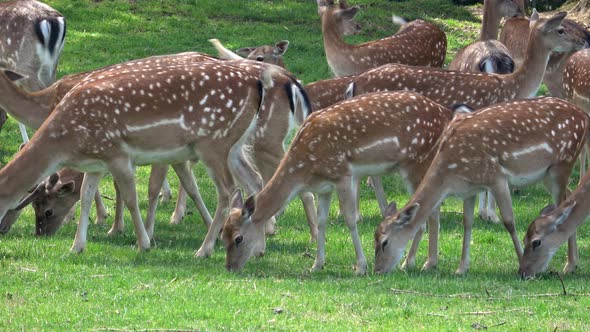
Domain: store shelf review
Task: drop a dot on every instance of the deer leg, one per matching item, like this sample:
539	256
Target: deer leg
89	187
124	175
180	209
157	179
101	211
377	185
119	222
165	193
225	185
433	233
323	211
501	192
310	213
347	196
468	210
189	186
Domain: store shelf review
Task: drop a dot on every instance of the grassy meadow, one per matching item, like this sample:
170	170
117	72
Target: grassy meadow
113	287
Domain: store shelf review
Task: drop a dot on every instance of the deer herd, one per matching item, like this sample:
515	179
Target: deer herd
473	128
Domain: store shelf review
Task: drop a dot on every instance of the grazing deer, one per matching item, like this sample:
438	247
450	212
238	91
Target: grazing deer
477	90
514	143
551	229
418	43
33	36
369	135
514	36
108	123
32	109
488	55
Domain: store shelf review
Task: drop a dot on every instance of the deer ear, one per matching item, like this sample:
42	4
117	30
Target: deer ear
408	213
349	13
565	213
245	51
66	188
236	201
53	178
390	210
548	209
13	76
281	47
461	109
249	207
554	21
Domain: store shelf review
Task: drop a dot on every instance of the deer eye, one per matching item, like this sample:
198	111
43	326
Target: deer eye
536	243
384	244
48	213
238	240
260	58
560	31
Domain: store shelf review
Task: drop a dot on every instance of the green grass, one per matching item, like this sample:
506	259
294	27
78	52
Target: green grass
110	285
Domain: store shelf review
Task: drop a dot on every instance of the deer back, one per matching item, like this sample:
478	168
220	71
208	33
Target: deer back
576	82
328	92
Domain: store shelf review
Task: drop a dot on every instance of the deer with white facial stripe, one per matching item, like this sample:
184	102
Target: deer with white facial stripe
418	43
514	143
33	36
109	124
369	135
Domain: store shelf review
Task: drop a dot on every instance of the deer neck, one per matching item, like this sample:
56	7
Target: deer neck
333	42
29	167
276	193
528	77
28	108
490	22
430	193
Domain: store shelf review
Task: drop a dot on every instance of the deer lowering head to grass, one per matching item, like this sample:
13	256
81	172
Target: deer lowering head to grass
368	135
33	36
514	35
514	143
33	108
552	228
155	115
418	43
488	55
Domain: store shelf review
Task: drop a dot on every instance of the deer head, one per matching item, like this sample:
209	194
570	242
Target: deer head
340	16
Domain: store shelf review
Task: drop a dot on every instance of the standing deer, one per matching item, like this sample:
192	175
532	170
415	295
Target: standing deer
371	134
477	90
109	124
514	36
418	43
553	228
514	143
32	109
488	55
33	36
576	88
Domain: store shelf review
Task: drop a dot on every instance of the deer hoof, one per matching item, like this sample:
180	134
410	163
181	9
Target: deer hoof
317	267
408	264
77	248
361	270
569	268
429	265
202	253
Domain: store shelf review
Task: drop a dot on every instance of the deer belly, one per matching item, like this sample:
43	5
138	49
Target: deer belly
359	169
159	156
525	178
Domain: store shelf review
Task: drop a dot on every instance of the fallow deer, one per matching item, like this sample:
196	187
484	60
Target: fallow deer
33	36
477	90
488	55
418	43
513	143
514	36
265	53
32	109
109	123
552	228
369	135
